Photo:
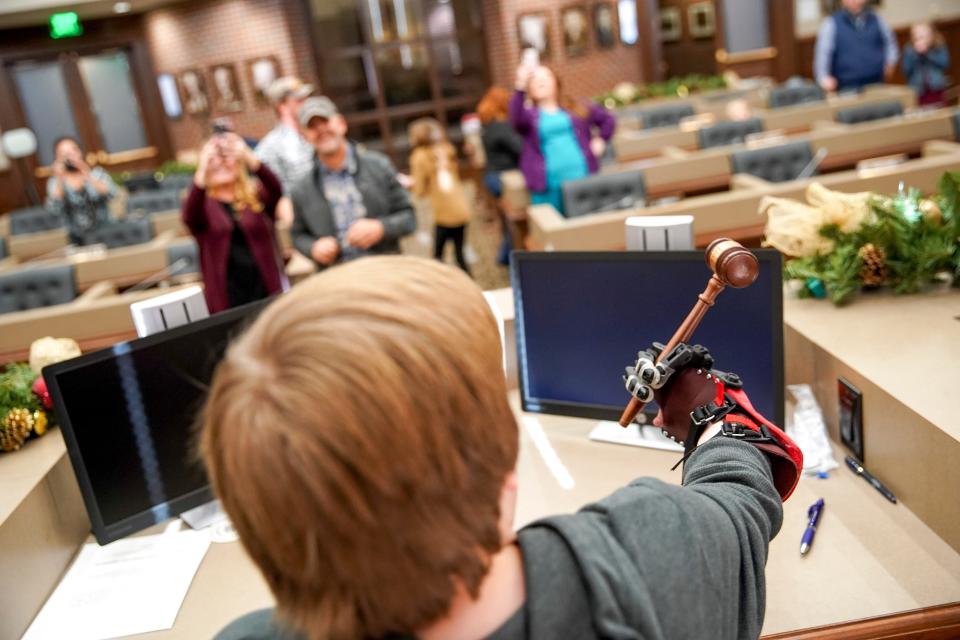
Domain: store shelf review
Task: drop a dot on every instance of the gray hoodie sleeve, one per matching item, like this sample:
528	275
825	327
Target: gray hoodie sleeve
667	561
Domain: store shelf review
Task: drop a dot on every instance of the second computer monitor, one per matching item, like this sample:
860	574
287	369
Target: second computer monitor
582	317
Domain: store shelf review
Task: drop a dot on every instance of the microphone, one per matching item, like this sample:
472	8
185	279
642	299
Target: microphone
626	202
168	271
811	166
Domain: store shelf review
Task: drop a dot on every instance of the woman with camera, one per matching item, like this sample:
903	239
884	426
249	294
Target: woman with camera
78	192
232	218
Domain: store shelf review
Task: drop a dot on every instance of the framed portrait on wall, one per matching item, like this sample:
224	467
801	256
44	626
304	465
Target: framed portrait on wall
193	92
576	31
604	25
170	95
627	14
671	24
226	88
701	20
533	31
261	72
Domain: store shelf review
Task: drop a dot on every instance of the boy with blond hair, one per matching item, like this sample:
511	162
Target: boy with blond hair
360	437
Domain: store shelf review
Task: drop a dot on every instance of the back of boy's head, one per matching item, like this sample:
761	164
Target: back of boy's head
358	435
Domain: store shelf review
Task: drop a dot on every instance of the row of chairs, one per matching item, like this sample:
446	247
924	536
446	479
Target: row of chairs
36	219
627	189
43	286
728	132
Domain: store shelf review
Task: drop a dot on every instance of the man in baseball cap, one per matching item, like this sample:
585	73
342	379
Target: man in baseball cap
351	204
284	150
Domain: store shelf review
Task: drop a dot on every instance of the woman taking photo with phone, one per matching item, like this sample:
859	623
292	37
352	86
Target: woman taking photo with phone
78	192
233	219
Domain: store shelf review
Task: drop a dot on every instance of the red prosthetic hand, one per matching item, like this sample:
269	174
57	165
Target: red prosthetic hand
692	395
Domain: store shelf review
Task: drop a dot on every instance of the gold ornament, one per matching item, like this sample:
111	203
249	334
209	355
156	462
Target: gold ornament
874	270
14	429
39	422
931	210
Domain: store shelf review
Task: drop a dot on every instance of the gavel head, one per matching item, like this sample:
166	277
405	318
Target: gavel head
732	264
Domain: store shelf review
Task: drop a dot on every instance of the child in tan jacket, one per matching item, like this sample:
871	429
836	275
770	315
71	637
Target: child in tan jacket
433	165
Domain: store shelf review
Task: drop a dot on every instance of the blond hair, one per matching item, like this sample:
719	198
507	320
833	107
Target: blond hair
359	436
245	192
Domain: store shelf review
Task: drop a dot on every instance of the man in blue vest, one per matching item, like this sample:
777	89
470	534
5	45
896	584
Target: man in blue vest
855	47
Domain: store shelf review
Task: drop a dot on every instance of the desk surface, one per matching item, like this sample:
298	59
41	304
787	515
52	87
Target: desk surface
870	557
877	336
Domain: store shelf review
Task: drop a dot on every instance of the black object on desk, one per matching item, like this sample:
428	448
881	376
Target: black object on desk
578	313
858	469
850	410
128	415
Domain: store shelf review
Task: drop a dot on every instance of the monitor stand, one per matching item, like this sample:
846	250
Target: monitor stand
634	435
205	515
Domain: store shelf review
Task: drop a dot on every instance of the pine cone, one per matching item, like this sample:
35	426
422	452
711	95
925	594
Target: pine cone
874	270
14	429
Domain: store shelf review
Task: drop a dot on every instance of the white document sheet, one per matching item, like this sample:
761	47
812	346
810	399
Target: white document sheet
127	587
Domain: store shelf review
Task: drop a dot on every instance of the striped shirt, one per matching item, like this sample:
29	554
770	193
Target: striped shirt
287	154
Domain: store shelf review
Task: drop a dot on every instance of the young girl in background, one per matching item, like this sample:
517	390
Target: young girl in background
433	165
925	63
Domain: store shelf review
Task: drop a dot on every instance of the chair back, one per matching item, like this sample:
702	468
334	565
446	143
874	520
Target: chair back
728	132
123	233
35	287
869	112
33	220
776	164
603	192
790	95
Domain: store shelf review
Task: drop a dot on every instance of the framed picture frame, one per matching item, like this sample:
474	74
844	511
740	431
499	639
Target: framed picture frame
170	95
701	20
533	32
261	72
226	93
671	24
575	27
193	92
627	22
604	25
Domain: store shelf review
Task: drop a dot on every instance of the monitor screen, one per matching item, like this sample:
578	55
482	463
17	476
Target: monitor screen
581	318
129	415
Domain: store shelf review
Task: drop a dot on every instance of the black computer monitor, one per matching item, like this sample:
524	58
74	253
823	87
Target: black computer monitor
582	317
129	414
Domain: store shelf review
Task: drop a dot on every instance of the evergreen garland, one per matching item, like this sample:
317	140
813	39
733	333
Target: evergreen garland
918	238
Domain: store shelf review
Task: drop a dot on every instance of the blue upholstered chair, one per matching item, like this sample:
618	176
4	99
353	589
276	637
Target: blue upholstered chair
603	192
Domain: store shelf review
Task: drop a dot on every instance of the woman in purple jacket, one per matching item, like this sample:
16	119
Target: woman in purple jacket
232	220
558	133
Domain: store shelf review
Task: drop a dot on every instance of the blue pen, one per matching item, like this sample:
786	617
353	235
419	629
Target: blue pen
814	514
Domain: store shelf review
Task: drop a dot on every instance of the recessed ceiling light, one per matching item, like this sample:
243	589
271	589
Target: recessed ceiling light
121	7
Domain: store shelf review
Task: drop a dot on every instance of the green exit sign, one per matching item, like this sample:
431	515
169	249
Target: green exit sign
65	25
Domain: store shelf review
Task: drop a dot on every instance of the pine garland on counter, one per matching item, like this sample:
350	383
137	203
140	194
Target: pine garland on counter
906	242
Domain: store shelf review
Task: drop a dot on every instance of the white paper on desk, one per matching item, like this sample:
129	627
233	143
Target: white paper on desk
127	587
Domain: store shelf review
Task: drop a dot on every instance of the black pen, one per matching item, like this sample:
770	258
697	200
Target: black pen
858	469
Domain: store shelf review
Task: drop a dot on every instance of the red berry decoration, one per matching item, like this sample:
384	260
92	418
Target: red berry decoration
40	388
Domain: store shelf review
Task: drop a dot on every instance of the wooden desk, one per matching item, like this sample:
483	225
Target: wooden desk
903	353
846	145
31	245
94	323
631	143
870	557
733	213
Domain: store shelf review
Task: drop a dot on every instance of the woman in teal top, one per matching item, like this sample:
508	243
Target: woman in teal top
563	139
563	158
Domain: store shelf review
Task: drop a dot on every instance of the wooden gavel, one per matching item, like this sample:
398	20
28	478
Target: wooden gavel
732	265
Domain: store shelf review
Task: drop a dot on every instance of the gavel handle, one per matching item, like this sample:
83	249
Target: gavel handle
683	334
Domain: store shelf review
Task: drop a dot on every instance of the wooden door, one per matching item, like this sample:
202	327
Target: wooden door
688	36
90	96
